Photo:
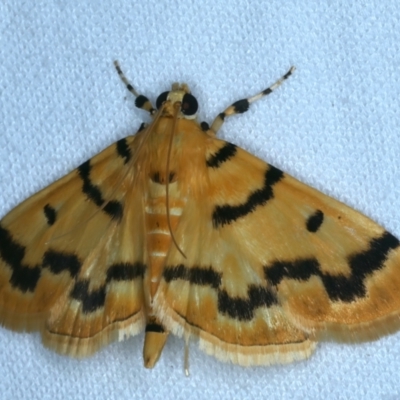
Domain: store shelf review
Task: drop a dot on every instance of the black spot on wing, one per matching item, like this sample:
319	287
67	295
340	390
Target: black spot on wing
123	149
338	287
314	221
24	277
233	306
226	214
225	153
50	213
113	208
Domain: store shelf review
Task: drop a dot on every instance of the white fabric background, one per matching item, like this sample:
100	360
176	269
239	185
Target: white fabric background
335	125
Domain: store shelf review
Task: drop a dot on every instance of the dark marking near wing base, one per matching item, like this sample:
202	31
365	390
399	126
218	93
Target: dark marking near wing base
50	213
225	153
314	221
158	178
338	287
94	299
123	150
204	126
226	214
236	307
113	208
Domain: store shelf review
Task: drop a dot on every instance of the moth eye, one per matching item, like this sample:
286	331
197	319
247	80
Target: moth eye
160	99
189	104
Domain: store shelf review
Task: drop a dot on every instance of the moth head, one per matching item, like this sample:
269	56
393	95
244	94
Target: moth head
178	96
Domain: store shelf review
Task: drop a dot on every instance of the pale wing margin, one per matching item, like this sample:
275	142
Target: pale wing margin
273	265
71	257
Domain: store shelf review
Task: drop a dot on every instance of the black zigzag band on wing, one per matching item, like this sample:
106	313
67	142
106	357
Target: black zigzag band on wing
123	150
94	299
226	214
195	275
113	208
235	307
25	277
338	287
224	154
243	308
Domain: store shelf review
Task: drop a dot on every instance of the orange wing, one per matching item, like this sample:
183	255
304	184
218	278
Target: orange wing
72	260
273	266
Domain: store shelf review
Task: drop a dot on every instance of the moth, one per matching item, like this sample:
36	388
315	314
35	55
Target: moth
173	230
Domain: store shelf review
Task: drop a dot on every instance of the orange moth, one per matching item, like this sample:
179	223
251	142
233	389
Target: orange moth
174	230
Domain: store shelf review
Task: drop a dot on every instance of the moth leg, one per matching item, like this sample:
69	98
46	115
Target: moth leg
186	359
141	101
241	106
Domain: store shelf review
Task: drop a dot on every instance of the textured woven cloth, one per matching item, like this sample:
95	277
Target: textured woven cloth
335	125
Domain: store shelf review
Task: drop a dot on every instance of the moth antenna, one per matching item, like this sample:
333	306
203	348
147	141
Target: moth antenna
141	101
241	106
125	80
177	108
